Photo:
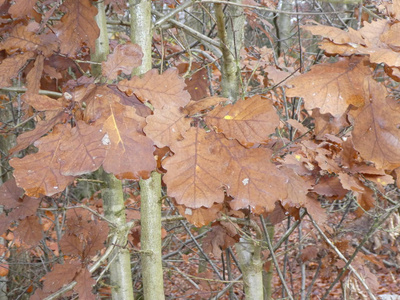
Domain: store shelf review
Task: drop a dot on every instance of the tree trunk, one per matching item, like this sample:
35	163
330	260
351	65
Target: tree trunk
150	189
113	197
251	266
150	219
231	34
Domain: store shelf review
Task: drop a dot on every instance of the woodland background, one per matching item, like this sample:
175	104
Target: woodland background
200	149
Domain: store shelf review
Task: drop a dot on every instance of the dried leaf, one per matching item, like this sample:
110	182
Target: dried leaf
200	216
130	153
336	35
376	134
42	127
82	150
60	276
72	245
195	172
195	107
162	90
124	59
39	173
332	87
10	194
78	26
166	126
250	121
29	231
10	67
22	8
84	285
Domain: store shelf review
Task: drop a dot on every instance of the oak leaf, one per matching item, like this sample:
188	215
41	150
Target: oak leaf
350	182
29	231
10	67
77	26
195	107
130	152
330	186
166	126
249	121
162	90
22	8
42	127
252	179
25	207
39	173
34	75
82	150
124	59
332	87
10	194
365	200
60	276
218	239
336	35
42	102
200	216
72	245
197	83
196	171
376	132
84	284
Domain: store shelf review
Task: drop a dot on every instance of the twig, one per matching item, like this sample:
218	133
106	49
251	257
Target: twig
289	232
262	8
329	242
372	230
197	35
93	268
93	212
23	90
272	253
170	15
227	287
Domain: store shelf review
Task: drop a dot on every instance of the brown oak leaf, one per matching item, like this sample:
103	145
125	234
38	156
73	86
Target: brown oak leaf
29	231
82	150
332	87
376	132
249	121
124	59
77	26
162	90
39	173
166	126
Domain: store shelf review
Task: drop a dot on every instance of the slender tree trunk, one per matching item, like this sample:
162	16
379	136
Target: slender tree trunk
141	31
113	197
114	210
150	189
249	255
231	34
150	208
268	275
283	26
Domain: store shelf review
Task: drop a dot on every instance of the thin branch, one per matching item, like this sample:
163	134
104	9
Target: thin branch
23	90
272	253
93	268
197	35
228	286
372	230
289	231
170	15
263	8
329	242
